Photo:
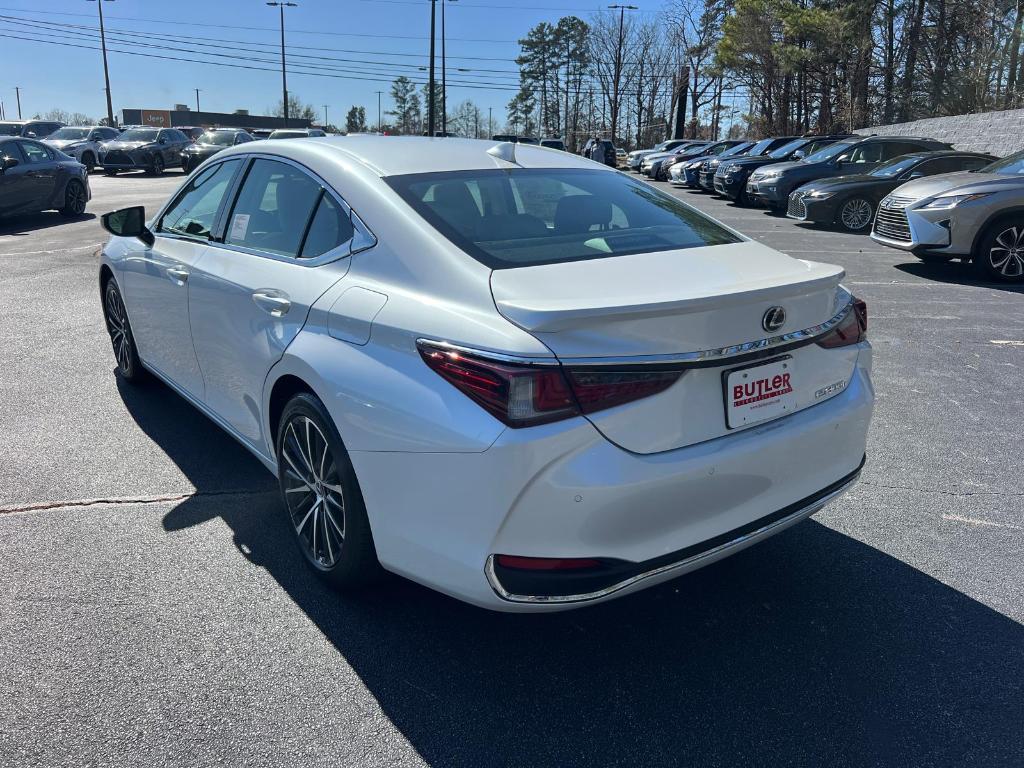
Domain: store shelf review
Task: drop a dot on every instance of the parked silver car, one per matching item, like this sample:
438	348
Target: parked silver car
82	142
974	215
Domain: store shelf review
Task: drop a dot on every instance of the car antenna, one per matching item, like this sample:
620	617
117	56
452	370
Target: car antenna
505	151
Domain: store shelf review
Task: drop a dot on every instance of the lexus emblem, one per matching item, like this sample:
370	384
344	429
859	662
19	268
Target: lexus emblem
773	319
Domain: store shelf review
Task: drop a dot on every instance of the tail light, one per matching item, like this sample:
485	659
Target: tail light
852	330
523	395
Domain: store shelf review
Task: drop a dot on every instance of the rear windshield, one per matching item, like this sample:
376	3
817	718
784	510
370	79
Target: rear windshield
289	135
10	129
529	216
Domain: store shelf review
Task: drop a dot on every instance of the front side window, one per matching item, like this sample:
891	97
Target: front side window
893	168
786	149
529	216
273	208
829	152
194	212
865	153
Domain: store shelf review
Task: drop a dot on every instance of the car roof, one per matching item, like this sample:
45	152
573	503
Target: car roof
395	155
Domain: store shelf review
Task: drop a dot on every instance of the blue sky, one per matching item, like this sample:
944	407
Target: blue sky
378	39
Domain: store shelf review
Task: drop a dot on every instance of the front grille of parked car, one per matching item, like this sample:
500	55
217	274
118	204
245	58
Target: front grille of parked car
796	207
892	223
117	157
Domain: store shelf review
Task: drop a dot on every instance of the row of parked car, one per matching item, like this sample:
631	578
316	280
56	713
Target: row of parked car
52	172
912	193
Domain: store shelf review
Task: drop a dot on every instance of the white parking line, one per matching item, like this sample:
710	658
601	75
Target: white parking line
55	250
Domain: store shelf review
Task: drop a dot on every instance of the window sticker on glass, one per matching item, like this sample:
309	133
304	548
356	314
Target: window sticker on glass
239	226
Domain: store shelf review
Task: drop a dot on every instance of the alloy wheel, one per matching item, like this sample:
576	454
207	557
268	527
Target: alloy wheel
856	214
74	199
1006	256
158	166
313	492
117	327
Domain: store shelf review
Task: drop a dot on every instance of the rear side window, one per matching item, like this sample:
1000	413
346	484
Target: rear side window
193	213
273	209
529	216
35	153
330	227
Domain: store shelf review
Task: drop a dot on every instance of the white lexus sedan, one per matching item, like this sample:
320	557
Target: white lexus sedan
513	375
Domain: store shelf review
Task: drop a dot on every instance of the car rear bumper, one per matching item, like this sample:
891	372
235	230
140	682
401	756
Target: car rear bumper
564	491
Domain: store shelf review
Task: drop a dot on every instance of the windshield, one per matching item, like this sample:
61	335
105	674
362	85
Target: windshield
1010	165
288	135
896	166
10	129
139	134
739	149
782	152
528	216
827	153
760	147
696	149
220	138
69	133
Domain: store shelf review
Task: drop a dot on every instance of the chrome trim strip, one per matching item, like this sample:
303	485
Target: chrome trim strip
764	532
702	356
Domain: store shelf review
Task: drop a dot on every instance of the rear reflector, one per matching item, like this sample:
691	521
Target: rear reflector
546	563
852	330
523	395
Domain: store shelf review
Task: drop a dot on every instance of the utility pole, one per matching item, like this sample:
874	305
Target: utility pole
430	83
444	71
618	65
490	121
378	111
3	114
197	100
106	71
17	94
568	67
325	116
282	4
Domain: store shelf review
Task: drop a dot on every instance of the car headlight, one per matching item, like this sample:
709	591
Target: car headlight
770	174
820	194
77	145
952	201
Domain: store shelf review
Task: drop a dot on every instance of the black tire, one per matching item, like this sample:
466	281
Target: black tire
934	258
855	214
316	474
157	169
121	338
89	161
185	165
1000	254
74	199
110	171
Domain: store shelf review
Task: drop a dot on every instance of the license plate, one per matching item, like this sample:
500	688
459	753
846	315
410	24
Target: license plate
759	393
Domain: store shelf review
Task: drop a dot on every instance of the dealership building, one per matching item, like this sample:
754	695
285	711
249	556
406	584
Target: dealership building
182	116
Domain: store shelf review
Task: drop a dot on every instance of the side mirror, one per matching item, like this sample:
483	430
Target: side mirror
30	134
799	155
8	162
128	222
163	140
916	175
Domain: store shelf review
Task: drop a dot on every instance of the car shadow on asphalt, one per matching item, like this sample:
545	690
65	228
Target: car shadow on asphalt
33	222
955	272
811	648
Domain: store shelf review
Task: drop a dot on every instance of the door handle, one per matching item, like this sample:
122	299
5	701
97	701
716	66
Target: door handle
274	302
176	273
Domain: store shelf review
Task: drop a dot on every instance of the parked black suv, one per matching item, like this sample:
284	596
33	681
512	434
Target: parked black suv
857	154
760	149
209	144
851	201
606	153
731	178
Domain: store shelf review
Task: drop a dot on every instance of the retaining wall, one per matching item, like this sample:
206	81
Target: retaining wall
999	133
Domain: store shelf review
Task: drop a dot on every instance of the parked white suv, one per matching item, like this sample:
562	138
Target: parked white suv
81	142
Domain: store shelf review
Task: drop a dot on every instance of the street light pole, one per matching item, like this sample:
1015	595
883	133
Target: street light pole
197	100
490	121
378	111
106	71
280	4
325	115
430	83
17	94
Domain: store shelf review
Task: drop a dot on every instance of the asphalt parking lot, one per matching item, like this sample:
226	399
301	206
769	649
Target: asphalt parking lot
153	611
